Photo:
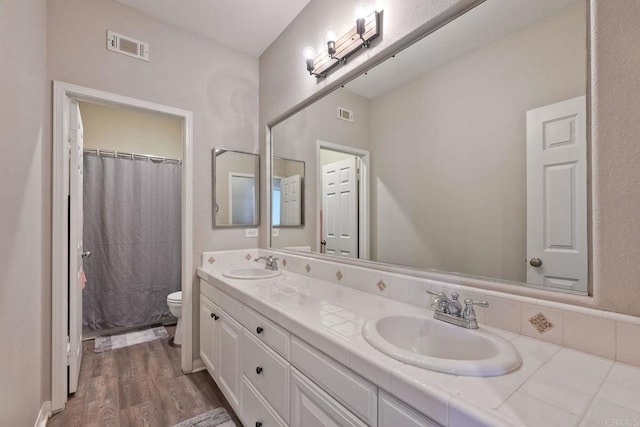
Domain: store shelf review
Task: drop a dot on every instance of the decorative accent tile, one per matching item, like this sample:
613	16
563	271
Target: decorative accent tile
284	262
339	275
248	257
308	268
211	260
541	323
381	285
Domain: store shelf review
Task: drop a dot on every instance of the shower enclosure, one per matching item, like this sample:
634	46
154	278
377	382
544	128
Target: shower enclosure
132	226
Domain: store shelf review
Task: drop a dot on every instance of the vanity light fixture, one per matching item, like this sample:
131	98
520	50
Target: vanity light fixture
339	49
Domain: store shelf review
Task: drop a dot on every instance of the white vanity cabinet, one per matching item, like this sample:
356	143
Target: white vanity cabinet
229	348
221	349
273	378
209	313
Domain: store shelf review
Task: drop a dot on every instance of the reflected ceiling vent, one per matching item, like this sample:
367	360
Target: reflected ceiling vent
127	46
345	114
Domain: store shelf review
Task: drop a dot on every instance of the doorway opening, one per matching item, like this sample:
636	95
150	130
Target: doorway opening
343	200
69	250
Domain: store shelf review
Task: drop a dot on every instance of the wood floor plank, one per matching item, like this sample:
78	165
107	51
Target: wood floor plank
141	385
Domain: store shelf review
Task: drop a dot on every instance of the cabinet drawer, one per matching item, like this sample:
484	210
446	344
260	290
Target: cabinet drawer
267	331
232	306
312	406
356	393
255	411
394	413
268	372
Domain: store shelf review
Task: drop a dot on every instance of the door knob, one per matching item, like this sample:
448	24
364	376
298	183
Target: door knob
86	254
535	262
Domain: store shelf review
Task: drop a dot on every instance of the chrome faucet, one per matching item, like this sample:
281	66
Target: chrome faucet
451	311
270	262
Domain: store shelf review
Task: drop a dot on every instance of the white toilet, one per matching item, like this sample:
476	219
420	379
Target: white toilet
174	301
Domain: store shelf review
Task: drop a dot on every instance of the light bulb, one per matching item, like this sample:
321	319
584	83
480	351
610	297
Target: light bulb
331	36
308	52
361	11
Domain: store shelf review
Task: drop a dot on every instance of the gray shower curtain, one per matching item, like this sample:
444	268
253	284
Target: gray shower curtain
132	226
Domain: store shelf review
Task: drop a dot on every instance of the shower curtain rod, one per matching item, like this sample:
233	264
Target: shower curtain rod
133	156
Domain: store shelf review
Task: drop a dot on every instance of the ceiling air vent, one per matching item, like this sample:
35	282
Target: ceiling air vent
127	46
345	114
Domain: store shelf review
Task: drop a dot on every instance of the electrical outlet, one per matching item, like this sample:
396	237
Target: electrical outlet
275	232
251	232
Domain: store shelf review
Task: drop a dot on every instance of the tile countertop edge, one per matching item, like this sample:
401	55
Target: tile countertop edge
346	354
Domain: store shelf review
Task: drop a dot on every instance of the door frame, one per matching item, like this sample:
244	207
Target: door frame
62	92
363	197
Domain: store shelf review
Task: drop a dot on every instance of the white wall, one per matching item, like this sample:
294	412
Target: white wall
615	89
25	212
131	131
219	85
448	151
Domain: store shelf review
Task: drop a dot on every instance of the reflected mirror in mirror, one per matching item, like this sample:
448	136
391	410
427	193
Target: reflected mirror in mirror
477	147
287	193
235	188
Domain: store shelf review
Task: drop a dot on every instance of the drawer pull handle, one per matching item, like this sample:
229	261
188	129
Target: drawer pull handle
258	424
259	370
215	316
259	329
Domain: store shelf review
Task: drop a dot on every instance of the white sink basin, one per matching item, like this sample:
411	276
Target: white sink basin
422	341
251	273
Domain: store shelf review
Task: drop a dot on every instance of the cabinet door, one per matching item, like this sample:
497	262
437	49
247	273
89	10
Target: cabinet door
208	334
229	362
313	407
394	413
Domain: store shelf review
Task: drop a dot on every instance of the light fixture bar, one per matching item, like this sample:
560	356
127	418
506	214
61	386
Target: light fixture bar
347	45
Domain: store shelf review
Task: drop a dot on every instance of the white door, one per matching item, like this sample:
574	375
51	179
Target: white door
290	200
557	195
340	207
75	245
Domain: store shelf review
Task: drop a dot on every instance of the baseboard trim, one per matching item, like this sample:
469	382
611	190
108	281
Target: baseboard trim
198	365
44	414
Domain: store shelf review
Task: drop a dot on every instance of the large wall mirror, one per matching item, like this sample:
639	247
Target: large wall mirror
466	152
235	188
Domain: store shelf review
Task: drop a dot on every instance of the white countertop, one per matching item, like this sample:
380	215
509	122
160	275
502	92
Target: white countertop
554	385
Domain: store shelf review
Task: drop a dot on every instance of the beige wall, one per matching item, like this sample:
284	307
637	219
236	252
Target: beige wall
615	113
25	218
131	131
297	139
330	156
448	151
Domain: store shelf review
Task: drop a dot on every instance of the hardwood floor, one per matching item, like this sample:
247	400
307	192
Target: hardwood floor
141	385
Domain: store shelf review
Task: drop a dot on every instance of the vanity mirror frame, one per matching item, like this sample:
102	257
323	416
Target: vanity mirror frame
302	191
502	285
213	190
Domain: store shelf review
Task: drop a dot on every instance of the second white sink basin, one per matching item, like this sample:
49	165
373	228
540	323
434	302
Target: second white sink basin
251	273
432	344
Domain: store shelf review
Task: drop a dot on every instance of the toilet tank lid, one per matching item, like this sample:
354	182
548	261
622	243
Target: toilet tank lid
176	296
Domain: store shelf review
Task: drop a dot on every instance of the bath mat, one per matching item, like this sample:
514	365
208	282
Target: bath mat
218	417
113	342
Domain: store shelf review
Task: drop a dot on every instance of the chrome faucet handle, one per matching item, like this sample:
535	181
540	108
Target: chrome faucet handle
471	302
440	301
469	313
438	294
